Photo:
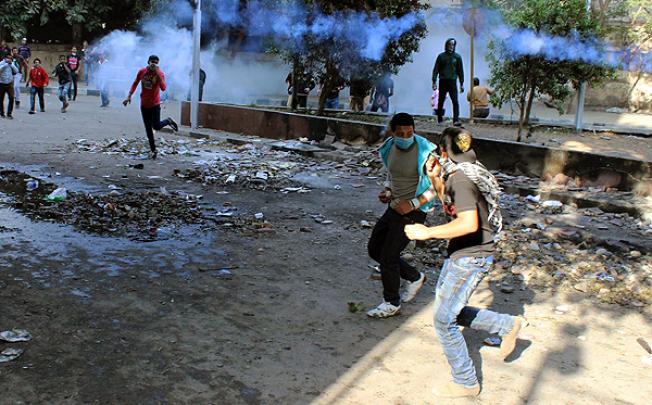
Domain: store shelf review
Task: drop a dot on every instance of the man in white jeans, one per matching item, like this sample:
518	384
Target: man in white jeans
470	196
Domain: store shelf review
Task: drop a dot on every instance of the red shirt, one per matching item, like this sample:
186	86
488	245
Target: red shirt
39	77
152	84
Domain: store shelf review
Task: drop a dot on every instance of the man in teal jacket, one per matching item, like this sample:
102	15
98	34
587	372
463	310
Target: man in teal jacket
449	68
409	196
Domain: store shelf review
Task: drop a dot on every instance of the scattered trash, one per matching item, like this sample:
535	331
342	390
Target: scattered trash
138	166
605	277
645	345
337	187
230	179
10	354
365	224
15	335
224	274
57	195
355	307
533	198
259	215
32	185
492	341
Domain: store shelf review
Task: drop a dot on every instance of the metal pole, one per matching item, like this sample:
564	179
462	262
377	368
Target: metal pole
196	45
472	67
582	91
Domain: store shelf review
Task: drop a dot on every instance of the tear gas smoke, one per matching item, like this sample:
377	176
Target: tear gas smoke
248	77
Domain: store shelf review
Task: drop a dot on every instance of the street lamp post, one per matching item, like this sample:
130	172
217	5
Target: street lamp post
582	92
196	46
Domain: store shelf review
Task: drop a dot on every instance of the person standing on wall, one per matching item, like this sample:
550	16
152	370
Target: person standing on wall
448	68
382	91
152	80
479	96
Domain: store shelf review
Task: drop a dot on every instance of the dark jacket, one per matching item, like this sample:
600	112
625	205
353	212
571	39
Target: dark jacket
448	66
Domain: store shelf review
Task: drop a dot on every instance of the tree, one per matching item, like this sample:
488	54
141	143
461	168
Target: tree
521	73
80	15
339	53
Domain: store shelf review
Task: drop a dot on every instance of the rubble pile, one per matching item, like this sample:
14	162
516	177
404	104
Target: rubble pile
128	213
561	248
250	166
140	147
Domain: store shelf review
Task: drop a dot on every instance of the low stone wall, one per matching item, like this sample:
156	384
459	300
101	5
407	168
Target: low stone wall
509	157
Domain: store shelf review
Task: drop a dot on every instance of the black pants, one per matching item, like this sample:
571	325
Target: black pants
481	112
33	92
152	121
9	90
450	87
387	241
72	91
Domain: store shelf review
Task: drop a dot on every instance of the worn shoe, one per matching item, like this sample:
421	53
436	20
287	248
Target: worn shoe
412	288
11	117
17	104
452	390
152	155
32	112
384	310
508	343
457	123
173	124
65	107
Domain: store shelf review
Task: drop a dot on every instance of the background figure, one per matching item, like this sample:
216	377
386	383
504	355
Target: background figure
333	97
202	82
39	79
305	84
19	63
7	72
480	96
449	68
434	100
74	62
26	53
383	90
358	91
62	72
102	80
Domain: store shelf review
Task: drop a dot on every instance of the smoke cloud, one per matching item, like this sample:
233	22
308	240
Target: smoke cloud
247	78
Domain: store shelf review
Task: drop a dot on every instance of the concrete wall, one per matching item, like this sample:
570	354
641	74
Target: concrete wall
509	157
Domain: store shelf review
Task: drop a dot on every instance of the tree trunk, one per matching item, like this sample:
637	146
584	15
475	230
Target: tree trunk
77	34
521	117
528	110
328	84
295	73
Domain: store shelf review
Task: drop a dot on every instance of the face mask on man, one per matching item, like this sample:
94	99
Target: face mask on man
404	143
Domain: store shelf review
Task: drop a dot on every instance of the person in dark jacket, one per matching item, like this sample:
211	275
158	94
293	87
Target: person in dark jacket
74	63
62	72
449	68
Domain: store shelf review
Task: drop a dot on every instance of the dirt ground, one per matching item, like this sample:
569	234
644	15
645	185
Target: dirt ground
211	314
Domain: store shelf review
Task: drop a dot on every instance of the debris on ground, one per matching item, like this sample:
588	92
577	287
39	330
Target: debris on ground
10	354
15	335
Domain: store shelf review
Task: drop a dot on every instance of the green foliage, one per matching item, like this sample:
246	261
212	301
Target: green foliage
336	57
522	78
92	14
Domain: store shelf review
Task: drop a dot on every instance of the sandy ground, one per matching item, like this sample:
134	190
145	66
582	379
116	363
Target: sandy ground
116	321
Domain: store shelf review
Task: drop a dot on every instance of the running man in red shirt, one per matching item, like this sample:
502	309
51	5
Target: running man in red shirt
39	79
153	81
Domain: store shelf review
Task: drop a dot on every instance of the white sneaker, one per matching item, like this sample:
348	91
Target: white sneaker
412	288
384	310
